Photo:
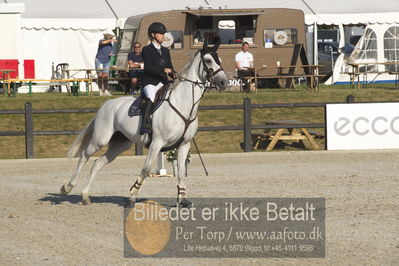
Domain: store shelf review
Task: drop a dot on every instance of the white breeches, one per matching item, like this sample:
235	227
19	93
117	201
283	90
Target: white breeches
151	90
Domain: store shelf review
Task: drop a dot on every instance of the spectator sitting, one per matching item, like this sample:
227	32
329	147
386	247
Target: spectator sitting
135	61
244	61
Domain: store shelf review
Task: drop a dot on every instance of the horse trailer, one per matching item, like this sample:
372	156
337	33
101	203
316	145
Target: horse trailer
272	34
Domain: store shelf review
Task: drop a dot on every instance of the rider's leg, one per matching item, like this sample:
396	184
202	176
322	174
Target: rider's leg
150	91
146	123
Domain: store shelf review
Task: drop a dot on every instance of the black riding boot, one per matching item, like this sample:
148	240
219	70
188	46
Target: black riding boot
146	123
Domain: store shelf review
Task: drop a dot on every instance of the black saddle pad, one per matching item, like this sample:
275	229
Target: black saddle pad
135	108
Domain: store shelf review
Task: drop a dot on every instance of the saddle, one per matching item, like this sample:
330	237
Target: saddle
137	106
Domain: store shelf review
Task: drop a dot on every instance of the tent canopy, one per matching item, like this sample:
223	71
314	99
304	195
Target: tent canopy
320	11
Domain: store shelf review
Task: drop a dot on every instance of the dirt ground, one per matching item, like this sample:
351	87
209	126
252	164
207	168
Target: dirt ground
39	226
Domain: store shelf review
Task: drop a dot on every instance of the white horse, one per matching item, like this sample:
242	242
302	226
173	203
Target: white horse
175	123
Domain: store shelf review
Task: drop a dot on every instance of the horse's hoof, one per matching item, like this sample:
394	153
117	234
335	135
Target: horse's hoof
130	202
86	201
185	203
65	189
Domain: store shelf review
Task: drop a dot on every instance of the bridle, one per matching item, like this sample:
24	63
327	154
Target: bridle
208	70
210	73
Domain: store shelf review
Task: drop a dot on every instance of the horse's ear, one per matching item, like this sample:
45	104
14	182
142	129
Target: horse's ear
216	46
205	46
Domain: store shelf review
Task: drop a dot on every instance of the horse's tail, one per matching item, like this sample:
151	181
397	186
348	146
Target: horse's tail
82	140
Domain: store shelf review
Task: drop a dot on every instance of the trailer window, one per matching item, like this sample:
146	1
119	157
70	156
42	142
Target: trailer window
204	23
177	39
128	38
226	29
279	37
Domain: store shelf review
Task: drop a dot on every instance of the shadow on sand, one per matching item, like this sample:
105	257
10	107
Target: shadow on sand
55	198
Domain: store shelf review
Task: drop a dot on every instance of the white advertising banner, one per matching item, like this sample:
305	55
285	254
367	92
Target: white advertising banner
362	126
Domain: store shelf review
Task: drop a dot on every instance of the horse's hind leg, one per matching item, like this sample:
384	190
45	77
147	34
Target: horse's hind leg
84	157
67	188
118	144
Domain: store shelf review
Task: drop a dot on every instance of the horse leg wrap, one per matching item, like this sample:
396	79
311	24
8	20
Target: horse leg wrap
181	192
182	200
136	185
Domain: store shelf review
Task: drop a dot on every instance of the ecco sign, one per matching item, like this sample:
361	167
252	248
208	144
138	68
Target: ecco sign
362	126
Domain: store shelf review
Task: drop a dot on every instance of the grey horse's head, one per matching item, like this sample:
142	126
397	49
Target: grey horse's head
212	66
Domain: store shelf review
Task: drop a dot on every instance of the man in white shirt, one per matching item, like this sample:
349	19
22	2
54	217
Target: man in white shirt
244	61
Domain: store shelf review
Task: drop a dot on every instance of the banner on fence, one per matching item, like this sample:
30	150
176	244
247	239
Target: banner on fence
362	126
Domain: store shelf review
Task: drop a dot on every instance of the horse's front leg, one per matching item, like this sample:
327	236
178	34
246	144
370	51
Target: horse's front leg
182	152
153	151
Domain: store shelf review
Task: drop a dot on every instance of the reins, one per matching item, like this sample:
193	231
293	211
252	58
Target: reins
187	121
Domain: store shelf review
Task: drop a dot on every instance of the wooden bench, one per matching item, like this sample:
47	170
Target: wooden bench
259	137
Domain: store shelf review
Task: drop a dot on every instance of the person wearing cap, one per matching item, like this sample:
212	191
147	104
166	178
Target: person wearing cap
102	65
157	66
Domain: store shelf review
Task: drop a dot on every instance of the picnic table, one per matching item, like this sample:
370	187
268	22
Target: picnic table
287	72
285	133
355	73
90	77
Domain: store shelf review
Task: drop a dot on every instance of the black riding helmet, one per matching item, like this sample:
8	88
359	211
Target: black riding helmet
156	27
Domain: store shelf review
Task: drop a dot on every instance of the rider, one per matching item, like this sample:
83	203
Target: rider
157	65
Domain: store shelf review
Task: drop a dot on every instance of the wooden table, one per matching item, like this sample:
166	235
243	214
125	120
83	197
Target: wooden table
311	74
6	80
89	76
286	133
355	73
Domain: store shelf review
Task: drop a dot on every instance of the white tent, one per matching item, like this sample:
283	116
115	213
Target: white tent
68	31
332	12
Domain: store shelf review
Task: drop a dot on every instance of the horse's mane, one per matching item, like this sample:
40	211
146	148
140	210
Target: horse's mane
188	65
185	70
